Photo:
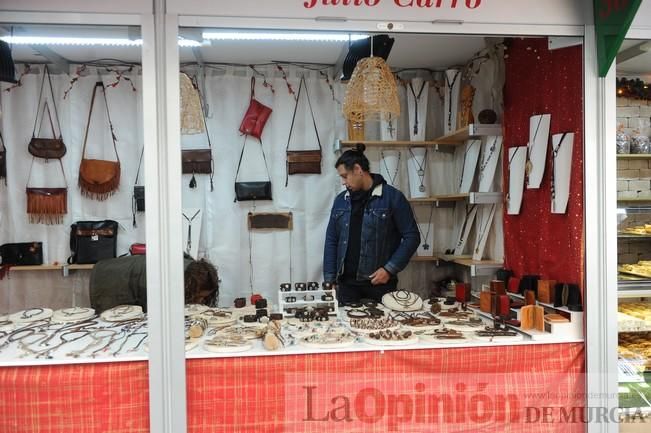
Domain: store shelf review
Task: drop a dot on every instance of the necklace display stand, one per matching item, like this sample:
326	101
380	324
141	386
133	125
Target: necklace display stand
417	169
464	230
492	148
417	91
538	139
451	100
562	147
426	236
484	224
470	159
516	168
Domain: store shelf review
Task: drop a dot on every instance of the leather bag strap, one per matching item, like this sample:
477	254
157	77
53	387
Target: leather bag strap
108	115
239	164
298	98
29	176
46	71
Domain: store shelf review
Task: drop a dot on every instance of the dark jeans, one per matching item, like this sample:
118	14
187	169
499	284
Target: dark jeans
355	291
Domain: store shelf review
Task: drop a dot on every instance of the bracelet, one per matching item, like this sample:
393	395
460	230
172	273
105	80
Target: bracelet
368	302
262	312
358	314
353	304
301	287
327	298
261	303
250	318
276	316
290	299
285	287
327	285
312	285
240	302
308	298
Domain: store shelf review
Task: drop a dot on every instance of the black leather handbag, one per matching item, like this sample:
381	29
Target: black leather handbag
22	254
92	241
249	191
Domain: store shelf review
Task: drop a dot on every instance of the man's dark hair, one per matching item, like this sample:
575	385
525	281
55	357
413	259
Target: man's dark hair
354	156
201	280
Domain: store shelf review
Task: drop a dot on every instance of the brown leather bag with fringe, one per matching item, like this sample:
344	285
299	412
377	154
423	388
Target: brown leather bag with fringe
98	178
47	205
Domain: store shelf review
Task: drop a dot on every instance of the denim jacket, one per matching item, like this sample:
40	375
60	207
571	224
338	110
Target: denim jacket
390	235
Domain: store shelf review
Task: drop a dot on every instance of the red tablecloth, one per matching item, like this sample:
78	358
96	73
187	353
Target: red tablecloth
294	393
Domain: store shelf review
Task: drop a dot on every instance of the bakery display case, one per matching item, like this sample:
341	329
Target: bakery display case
634	307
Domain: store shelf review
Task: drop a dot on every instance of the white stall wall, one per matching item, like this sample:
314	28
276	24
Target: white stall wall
275	256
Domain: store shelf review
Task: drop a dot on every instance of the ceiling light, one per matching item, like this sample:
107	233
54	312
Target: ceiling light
48	40
278	36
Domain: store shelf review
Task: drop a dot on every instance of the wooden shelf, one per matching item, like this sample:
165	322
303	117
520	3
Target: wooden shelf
375	143
49	268
472	197
473	130
455	138
634	156
634	200
477	267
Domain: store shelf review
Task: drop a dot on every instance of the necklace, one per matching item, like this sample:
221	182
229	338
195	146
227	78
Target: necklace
483	231
465	155
32	312
429	227
533	145
421	169
390	127
450	86
416	99
189	220
553	180
404	298
386	168
485	162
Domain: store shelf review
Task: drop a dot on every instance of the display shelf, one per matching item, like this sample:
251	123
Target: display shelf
634	156
634	200
306	292
563	309
530	333
50	267
477	267
471	197
379	143
631	236
460	136
634	289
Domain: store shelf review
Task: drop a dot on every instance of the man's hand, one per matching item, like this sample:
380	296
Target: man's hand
381	276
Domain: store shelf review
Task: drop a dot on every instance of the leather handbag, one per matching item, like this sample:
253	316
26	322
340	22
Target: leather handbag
138	197
256	116
250	191
198	161
47	148
3	160
303	161
92	241
46	205
22	254
98	178
138	249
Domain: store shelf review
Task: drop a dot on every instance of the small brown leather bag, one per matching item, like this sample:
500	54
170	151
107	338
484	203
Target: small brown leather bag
46	205
47	148
98	178
303	161
198	161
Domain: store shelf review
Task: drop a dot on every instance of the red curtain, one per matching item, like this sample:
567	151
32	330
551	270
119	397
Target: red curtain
540	81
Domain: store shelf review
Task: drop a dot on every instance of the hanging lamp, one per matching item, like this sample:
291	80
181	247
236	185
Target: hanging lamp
372	92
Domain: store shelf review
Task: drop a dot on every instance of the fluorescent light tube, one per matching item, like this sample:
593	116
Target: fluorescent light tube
286	36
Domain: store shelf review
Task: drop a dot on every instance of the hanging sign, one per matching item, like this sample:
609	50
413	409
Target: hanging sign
612	19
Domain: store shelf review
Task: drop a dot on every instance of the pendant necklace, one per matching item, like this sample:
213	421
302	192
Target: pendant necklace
464	225
386	168
416	99
485	162
553	180
450	86
429	227
189	220
483	231
421	169
533	145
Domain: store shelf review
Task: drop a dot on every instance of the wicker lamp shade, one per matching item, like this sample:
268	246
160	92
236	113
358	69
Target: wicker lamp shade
372	92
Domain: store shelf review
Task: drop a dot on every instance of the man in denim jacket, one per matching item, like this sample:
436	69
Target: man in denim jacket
371	234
